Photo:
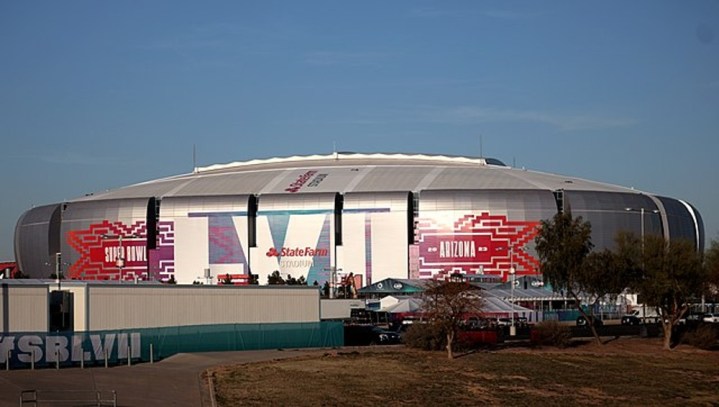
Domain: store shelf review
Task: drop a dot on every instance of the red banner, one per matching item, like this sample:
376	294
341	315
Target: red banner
476	244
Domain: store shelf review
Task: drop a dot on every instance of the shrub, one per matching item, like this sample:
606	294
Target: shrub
552	333
425	336
705	336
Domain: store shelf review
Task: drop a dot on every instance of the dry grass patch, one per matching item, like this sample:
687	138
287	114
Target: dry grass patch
620	373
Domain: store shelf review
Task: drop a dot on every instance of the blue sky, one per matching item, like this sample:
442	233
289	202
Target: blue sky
96	94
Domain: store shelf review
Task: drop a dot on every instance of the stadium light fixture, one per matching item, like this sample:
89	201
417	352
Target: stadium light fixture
641	214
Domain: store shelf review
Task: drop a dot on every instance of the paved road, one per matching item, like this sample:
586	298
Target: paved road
175	381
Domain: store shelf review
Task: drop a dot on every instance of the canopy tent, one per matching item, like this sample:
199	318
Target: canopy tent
404	306
393	286
529	294
490	305
494	305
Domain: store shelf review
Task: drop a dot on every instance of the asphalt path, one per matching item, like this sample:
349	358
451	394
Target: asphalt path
175	381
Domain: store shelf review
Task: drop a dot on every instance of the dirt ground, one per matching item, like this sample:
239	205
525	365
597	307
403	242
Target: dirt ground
623	371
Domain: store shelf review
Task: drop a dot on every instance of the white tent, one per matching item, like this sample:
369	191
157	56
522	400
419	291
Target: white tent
494	305
404	305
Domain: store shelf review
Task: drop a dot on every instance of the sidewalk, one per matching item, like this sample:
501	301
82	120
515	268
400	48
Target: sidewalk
175	381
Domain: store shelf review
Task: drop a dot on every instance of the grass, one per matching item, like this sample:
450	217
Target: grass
614	374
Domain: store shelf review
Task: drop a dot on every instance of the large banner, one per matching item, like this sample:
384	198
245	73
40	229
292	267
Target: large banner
475	244
374	243
43	349
39	349
116	251
295	243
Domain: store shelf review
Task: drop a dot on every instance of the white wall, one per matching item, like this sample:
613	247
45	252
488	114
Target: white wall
133	306
24	308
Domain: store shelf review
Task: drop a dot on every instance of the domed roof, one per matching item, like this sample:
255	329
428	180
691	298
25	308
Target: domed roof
352	172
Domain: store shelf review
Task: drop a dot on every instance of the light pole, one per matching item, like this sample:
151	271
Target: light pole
512	327
120	260
57	264
333	277
641	214
120	256
58	270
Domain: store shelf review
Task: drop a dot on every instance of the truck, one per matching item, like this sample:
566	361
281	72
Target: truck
641	315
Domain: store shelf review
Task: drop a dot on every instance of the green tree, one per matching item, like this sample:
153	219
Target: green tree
275	278
711	261
671	275
563	244
602	279
446	304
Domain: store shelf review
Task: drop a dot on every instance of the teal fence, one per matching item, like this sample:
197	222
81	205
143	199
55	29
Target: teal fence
33	349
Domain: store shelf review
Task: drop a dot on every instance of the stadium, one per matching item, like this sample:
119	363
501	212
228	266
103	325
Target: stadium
326	217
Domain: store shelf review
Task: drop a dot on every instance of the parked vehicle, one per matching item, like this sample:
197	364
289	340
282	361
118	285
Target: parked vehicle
475	323
504	322
631	320
694	317
581	321
641	315
711	318
363	335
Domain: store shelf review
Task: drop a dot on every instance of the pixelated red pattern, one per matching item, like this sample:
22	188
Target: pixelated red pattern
90	244
494	231
162	259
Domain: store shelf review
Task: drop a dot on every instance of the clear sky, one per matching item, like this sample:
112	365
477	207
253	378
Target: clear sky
99	94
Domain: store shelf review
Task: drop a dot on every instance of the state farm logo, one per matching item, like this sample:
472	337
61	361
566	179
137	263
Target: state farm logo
300	181
305	179
296	252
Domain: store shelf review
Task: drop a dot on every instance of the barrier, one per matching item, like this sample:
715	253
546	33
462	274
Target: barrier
27	350
68	397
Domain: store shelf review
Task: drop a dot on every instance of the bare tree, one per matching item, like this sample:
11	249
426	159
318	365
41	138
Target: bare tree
447	304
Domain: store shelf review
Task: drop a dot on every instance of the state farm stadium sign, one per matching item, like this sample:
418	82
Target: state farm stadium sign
309	179
296	257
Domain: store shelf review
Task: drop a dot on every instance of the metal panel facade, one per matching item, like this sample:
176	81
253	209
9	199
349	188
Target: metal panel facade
679	219
137	306
202	232
23	308
37	239
295	236
339	309
480	231
208	220
699	225
375	236
611	213
96	233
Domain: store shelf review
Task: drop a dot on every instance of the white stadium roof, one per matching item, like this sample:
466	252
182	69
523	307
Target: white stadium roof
353	172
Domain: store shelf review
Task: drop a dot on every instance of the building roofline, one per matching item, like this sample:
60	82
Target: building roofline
340	156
